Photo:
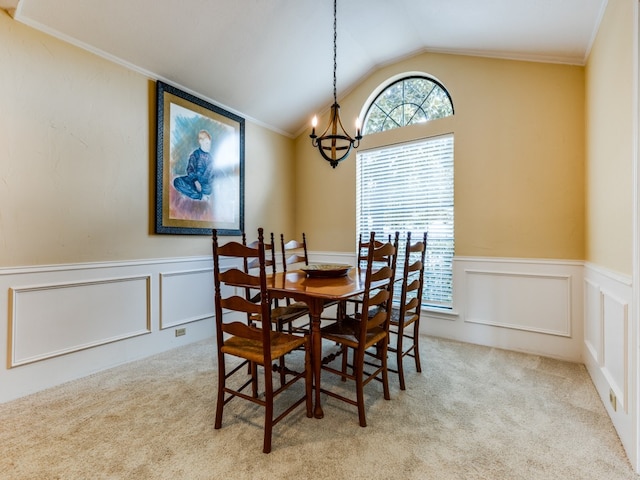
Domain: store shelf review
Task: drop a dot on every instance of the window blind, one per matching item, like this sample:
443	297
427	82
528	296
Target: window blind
409	188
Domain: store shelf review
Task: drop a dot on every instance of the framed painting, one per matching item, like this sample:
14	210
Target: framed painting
199	167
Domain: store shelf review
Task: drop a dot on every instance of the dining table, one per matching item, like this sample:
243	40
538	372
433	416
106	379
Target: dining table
316	291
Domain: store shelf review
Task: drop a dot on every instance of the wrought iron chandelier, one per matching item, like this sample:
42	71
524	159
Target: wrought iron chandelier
335	143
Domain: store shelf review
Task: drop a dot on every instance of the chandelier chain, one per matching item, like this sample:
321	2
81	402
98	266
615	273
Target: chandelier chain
335	48
334	144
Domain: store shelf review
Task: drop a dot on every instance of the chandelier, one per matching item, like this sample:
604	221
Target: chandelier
335	143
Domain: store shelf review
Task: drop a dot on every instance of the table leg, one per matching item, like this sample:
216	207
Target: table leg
315	312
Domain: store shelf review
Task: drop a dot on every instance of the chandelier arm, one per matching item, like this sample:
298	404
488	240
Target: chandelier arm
326	133
334	120
339	120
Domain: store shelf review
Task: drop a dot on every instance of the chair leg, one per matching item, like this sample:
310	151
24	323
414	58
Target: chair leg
345	360
253	371
341	310
416	349
251	324
399	358
359	374
281	364
221	386
268	410
308	379
283	377
385	370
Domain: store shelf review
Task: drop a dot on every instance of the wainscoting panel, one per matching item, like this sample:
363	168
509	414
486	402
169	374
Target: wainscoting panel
67	321
593	330
607	346
616	354
531	302
527	305
185	297
55	319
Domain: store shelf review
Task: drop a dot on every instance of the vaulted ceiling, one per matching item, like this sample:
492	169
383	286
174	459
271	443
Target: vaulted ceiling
272	60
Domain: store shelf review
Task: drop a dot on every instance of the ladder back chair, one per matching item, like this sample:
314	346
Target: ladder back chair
405	319
361	332
293	256
281	315
252	264
361	261
256	345
363	247
294	252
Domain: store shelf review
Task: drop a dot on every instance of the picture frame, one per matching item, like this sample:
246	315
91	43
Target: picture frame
199	165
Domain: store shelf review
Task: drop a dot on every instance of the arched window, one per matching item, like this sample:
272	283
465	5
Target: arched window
410	100
408	187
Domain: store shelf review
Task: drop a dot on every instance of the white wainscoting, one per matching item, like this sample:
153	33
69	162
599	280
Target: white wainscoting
185	297
526	305
92	313
512	300
67	321
608	346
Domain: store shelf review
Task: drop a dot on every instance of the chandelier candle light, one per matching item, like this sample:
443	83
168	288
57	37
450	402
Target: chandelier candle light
335	143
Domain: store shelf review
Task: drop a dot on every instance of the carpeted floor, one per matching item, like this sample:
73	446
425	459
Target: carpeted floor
473	413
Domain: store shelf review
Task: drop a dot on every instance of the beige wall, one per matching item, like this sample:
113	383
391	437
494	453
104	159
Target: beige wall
610	141
77	159
519	158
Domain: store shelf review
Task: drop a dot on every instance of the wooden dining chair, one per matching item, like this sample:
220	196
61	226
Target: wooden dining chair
363	247
293	256
252	264
294	253
405	318
281	315
361	261
361	332
257	345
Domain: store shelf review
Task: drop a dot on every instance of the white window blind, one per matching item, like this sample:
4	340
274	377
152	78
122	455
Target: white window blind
409	188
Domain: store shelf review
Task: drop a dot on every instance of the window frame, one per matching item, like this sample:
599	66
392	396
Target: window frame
423	135
372	102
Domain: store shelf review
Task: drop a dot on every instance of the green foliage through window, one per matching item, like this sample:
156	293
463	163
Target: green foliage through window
408	101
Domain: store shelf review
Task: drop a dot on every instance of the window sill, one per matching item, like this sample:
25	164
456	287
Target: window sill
441	313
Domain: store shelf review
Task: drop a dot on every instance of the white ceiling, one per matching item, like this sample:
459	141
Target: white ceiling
272	60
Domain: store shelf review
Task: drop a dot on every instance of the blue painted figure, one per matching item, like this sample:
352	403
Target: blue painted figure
197	182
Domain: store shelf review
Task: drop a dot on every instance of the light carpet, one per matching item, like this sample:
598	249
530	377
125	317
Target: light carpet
473	413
